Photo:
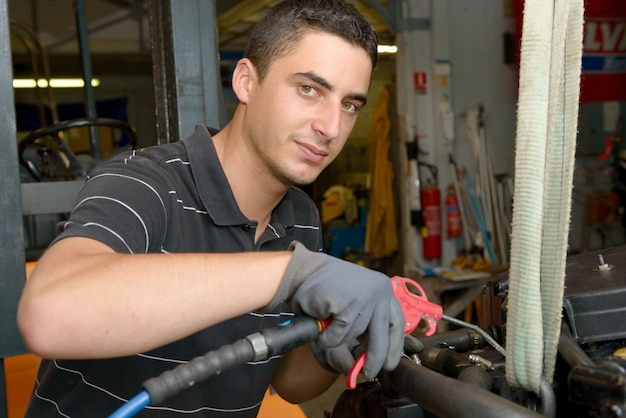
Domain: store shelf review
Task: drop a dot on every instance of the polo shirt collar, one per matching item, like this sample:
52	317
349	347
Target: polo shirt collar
214	189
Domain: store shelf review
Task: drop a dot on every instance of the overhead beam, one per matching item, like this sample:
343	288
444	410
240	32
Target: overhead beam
67	65
242	11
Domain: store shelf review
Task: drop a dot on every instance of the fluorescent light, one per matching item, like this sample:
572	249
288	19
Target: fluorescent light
387	49
22	83
29	83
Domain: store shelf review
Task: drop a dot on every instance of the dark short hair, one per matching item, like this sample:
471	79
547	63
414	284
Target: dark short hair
279	31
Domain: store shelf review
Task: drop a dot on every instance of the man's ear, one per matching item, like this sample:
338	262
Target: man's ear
244	76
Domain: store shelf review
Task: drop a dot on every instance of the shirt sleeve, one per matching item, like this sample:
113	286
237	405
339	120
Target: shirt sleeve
123	204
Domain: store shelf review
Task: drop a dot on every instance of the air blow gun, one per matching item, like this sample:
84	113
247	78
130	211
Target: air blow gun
273	341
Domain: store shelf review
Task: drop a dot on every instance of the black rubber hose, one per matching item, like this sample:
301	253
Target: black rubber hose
444	360
298	331
446	397
182	377
476	376
269	342
459	339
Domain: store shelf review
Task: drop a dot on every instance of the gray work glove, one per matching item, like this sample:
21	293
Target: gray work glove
338	359
359	301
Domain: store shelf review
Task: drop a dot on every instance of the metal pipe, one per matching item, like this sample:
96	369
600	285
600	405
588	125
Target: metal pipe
45	66
12	243
90	101
571	351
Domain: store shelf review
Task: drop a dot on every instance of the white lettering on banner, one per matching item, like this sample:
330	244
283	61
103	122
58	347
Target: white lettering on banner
605	37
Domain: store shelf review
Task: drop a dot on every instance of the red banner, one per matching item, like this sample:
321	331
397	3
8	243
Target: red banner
604	50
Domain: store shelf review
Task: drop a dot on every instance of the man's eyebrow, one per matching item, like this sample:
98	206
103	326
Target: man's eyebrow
324	83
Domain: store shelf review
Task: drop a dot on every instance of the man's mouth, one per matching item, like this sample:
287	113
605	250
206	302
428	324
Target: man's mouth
312	153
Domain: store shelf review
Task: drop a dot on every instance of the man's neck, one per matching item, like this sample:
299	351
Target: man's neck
256	192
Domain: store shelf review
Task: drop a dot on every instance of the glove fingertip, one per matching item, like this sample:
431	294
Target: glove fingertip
370	374
372	367
391	363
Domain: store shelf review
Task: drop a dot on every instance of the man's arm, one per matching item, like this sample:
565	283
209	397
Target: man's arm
83	300
300	377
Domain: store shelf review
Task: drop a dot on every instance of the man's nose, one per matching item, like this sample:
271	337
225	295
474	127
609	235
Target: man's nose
328	120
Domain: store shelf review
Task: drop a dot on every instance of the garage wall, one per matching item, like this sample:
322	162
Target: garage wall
475	30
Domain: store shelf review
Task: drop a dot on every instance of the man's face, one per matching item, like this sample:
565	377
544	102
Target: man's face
299	118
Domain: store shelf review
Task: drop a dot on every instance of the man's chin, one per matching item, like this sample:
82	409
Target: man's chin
304	182
303	179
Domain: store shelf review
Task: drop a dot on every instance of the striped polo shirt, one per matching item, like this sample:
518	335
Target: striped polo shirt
172	198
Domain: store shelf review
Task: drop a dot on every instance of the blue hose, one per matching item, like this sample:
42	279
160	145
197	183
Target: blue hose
133	406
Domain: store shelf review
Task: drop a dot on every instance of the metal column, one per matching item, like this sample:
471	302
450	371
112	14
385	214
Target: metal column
186	69
12	258
90	99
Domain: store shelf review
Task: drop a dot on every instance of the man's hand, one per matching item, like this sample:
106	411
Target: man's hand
338	359
359	301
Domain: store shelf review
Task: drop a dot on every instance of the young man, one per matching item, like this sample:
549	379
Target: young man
176	250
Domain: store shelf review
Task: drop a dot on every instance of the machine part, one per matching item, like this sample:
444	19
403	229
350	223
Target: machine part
456	375
443	396
476	376
600	389
446	361
477	329
547	397
594	298
370	400
460	340
602	266
571	351
593	389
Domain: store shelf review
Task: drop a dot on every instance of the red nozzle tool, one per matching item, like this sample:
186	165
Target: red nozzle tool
415	308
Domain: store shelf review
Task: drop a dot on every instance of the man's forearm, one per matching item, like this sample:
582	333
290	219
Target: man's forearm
85	301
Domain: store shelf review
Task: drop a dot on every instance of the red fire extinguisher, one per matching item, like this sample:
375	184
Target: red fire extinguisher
431	232
453	213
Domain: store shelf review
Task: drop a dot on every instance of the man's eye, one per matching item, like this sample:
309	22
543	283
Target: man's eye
307	89
350	107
